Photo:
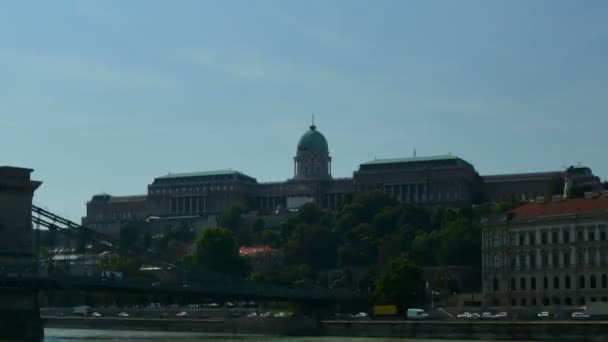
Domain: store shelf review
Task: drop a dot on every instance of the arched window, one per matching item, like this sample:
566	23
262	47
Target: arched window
556	283
593	281
567	282
522	284
581	282
495	284
604	281
533	283
512	284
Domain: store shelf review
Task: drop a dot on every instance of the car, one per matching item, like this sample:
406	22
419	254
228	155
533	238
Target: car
475	315
266	314
230	304
182	314
280	315
214	305
543	314
361	315
487	315
252	314
580	315
96	314
501	315
464	315
123	314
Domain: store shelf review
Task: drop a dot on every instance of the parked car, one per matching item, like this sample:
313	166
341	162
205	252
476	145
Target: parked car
544	315
96	314
361	315
501	315
580	315
464	315
252	314
266	314
123	314
182	314
487	315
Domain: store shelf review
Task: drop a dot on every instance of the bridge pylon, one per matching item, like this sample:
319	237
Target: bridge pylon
19	310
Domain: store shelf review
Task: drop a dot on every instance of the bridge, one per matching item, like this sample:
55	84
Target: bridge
27	267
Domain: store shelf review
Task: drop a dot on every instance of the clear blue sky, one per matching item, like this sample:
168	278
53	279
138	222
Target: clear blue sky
106	95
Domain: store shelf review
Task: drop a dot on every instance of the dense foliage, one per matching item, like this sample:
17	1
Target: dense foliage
217	250
400	283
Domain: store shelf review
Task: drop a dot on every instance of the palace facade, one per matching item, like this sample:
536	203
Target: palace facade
429	180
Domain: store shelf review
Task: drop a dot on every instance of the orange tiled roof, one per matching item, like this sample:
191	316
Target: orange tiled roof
564	207
255	250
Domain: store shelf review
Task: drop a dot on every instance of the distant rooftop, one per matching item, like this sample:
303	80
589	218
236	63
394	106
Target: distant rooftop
203	174
411	160
563	207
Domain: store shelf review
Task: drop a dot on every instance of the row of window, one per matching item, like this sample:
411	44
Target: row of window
546	301
205	188
547	236
550	259
554	283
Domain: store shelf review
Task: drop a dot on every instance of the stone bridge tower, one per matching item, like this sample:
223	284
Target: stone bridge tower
19	311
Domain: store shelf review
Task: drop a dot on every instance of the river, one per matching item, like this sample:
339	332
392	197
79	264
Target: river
76	335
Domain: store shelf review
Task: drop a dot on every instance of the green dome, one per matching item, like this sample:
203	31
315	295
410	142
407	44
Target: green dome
313	141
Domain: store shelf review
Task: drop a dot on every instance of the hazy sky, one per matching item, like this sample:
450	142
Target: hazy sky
103	96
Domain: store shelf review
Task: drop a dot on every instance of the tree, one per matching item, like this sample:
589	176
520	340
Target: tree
231	218
129	233
217	250
400	283
310	213
312	245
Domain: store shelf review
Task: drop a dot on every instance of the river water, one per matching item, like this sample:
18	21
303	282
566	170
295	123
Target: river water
75	335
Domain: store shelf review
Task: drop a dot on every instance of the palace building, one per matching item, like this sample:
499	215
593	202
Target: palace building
548	253
430	180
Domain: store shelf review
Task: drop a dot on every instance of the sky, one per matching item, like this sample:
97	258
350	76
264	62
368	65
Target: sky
104	96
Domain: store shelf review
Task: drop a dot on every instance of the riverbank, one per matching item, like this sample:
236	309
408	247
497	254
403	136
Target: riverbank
517	331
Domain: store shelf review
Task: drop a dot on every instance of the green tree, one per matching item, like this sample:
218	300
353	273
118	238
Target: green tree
310	213
128	236
313	245
400	283
217	250
231	218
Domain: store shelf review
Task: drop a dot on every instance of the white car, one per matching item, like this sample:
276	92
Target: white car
280	315
96	314
252	314
123	314
580	315
487	315
474	315
182	314
266	314
464	315
543	314
501	315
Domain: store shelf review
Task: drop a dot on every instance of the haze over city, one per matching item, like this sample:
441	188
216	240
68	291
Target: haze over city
103	96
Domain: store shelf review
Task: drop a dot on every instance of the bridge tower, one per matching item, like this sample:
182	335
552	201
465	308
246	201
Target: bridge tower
19	311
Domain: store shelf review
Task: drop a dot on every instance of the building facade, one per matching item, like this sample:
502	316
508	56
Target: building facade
550	253
431	180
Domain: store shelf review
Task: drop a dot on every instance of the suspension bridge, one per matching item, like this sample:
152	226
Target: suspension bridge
29	265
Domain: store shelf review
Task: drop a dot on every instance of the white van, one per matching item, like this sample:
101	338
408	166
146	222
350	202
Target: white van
418	314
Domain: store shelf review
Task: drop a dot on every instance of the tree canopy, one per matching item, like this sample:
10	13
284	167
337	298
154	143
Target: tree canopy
400	283
217	250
